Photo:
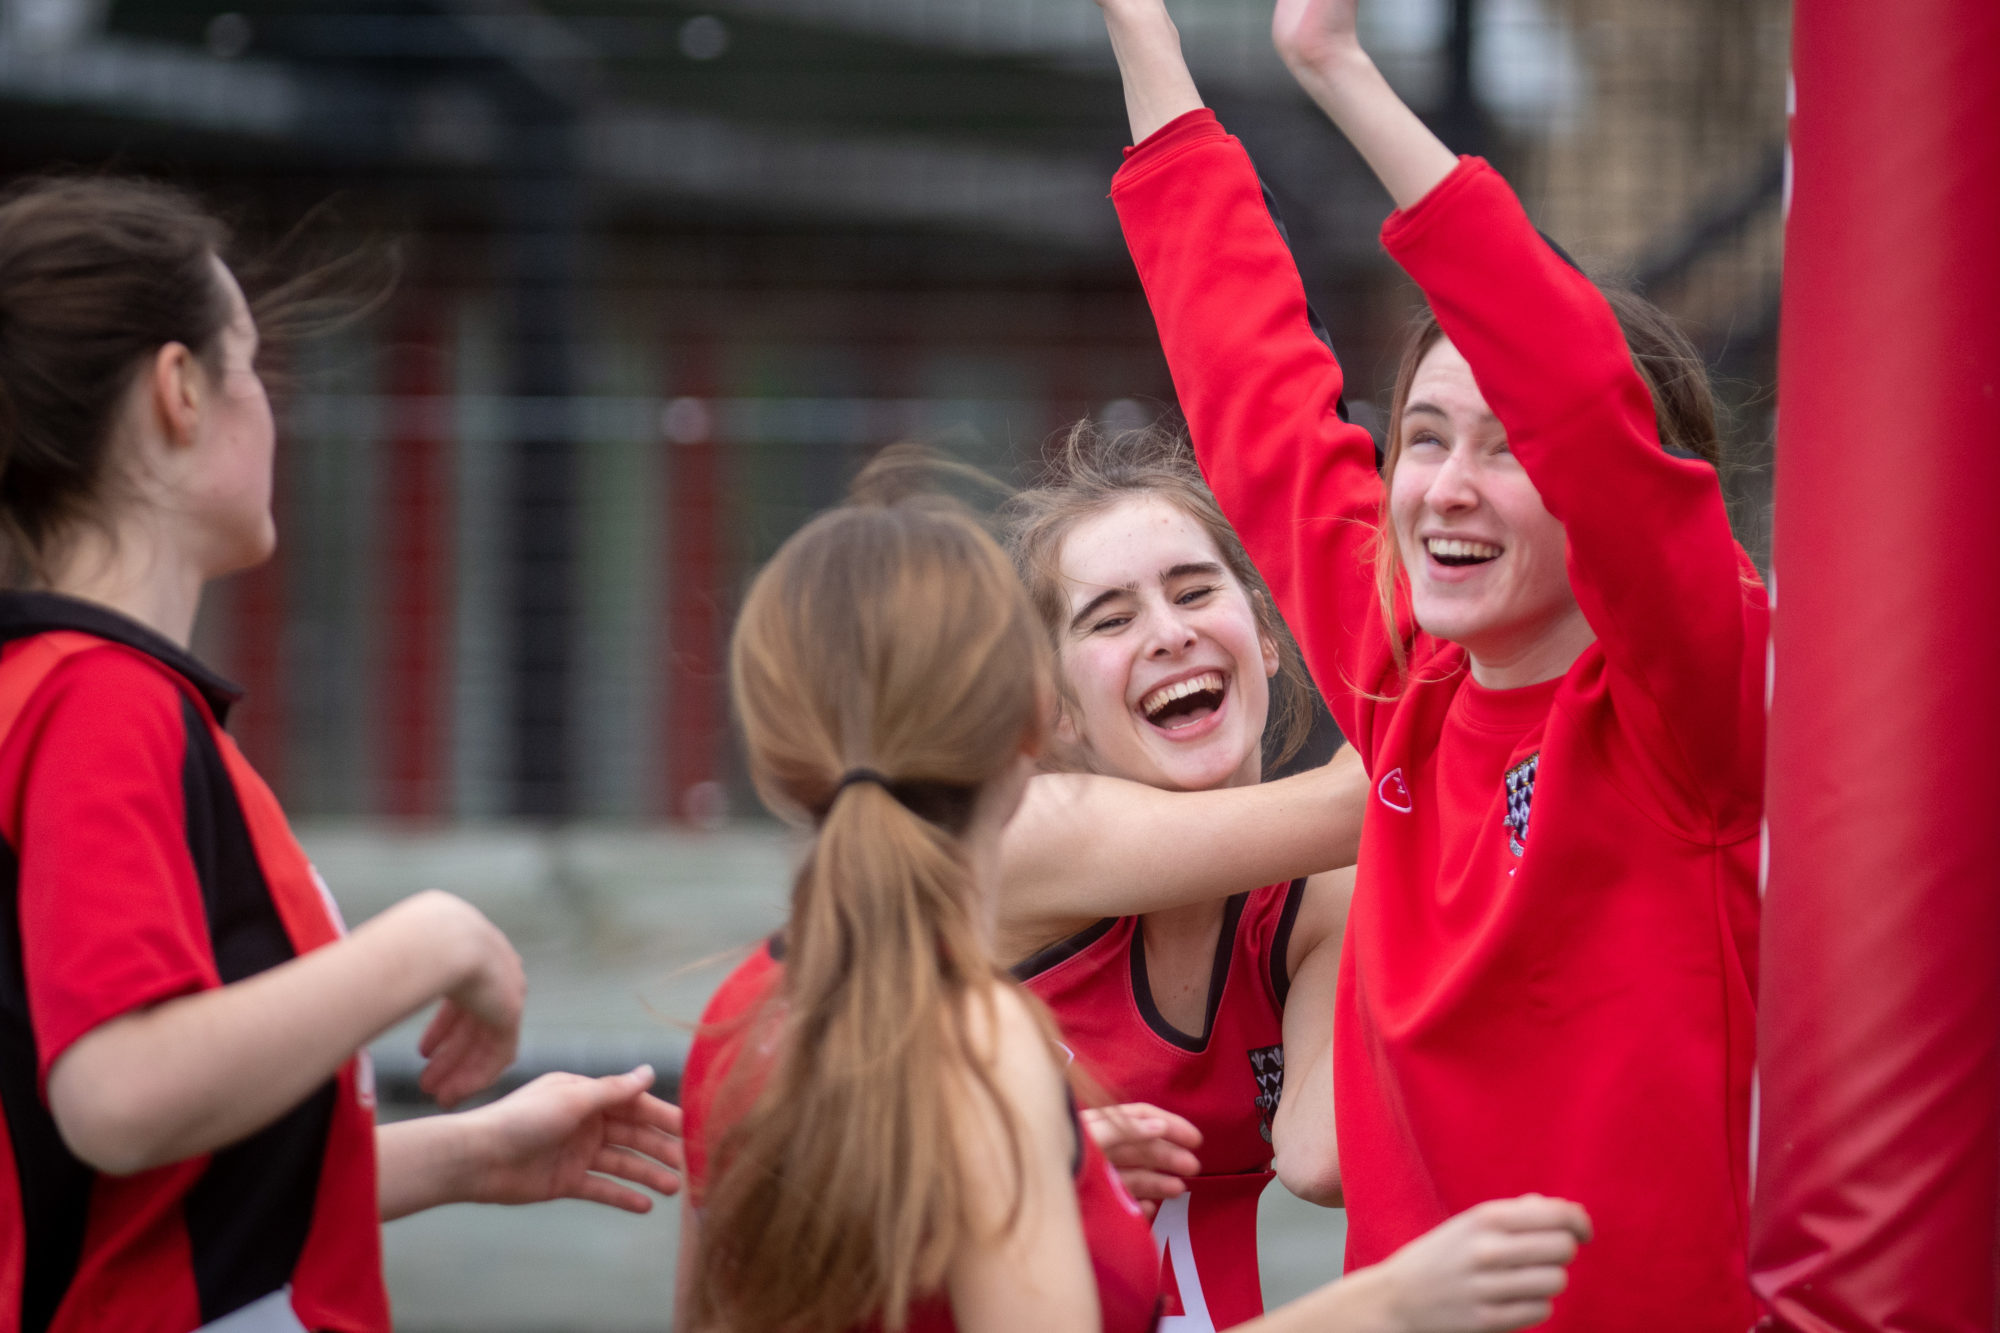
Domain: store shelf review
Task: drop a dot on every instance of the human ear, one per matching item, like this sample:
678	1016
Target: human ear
176	388
1267	644
1065	730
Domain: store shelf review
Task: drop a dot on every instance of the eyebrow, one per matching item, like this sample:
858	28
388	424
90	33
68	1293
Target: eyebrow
1187	569
1432	409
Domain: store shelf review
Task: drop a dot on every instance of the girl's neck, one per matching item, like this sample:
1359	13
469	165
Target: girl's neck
131	570
1510	666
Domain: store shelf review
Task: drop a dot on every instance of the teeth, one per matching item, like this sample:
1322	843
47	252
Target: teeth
1453	548
1180	689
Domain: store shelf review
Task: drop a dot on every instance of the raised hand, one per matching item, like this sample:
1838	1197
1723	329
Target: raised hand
1495	1266
565	1136
1312	32
1318	43
1152	1150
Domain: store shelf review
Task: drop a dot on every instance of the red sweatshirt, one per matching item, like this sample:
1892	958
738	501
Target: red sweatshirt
1549	969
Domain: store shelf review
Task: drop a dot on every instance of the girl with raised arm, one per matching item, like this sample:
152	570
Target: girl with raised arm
190	1133
880	1134
1537	629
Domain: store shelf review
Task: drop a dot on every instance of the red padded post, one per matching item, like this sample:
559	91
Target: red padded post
1878	1172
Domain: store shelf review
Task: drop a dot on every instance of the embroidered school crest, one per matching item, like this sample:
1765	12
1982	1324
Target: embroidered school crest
1268	1064
1520	800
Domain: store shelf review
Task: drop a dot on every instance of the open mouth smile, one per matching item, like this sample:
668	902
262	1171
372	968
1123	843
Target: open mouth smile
1181	704
1457	552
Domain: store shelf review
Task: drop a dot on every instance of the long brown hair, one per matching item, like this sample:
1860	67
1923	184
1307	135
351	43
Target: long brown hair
1667	360
889	635
96	275
1087	471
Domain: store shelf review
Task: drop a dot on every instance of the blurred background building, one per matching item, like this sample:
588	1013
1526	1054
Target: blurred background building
670	269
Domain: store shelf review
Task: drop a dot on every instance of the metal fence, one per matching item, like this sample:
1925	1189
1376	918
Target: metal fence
672	270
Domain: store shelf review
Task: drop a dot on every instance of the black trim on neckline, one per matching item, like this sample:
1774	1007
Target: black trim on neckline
1218	978
1281	941
23	614
1041	960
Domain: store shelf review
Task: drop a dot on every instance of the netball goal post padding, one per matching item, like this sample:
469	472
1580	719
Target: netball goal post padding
1878	1149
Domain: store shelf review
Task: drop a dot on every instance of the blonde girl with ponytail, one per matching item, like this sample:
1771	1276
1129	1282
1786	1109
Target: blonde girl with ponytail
899	1145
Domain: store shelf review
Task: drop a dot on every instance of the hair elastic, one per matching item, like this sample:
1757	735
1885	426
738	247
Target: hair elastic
854	775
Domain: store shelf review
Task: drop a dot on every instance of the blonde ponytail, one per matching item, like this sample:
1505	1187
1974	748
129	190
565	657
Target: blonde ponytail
893	640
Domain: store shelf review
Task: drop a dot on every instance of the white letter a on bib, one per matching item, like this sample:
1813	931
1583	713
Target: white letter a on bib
1186	1308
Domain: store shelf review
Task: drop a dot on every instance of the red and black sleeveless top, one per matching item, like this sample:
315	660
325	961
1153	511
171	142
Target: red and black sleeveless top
141	859
1121	1253
1226	1079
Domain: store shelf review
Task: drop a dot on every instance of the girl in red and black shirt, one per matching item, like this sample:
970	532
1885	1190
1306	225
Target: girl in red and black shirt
1552	661
190	1133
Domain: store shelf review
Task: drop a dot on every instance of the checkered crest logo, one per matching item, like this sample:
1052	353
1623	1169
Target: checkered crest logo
1268	1064
1520	800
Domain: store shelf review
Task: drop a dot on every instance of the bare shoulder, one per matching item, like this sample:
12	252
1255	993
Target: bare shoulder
1011	1037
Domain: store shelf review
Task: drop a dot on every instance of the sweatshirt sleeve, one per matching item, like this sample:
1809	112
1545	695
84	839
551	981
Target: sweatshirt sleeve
1262	397
1675	603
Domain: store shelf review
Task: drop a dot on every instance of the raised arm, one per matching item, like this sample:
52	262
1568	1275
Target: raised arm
1261	393
1652	561
1318	43
1084	847
1147	46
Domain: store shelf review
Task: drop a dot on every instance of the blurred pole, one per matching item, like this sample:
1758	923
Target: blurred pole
1878	1170
543	205
696	707
1462	124
418	527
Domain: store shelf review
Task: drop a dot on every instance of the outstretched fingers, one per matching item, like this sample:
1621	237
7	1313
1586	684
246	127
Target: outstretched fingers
601	1189
636	1167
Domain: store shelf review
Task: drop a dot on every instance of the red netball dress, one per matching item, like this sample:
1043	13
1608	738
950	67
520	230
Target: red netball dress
1114	1229
1226	1079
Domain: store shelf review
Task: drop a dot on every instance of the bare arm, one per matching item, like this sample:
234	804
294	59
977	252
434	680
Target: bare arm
1158	87
1495	1266
1083	847
1035	1273
562	1136
204	1070
1306	1152
1318	43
